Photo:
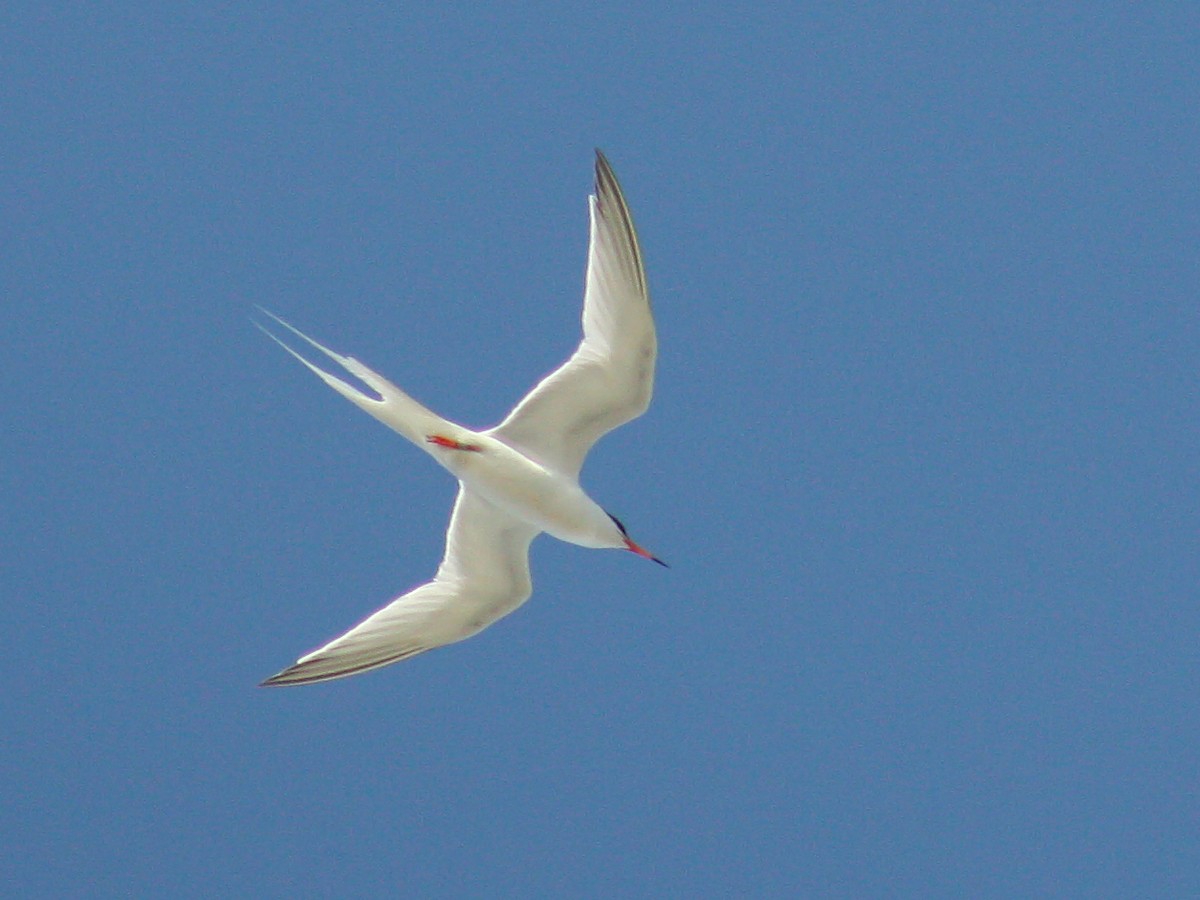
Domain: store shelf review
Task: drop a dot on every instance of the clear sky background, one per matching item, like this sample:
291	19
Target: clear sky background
923	452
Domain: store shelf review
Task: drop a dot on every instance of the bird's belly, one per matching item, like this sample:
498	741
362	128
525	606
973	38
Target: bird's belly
534	494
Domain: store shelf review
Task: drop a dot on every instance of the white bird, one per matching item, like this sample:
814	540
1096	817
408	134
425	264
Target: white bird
519	478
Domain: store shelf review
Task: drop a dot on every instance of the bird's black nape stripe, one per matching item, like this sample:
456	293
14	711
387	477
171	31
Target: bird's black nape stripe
618	523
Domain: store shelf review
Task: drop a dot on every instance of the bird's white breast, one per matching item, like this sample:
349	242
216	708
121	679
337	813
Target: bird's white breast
551	501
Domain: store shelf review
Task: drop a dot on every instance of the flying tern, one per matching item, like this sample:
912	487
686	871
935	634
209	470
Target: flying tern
517	479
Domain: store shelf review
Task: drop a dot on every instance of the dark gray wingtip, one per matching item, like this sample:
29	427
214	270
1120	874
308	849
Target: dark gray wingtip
279	679
606	178
313	671
615	210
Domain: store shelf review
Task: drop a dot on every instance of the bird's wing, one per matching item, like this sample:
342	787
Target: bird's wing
610	377
484	576
393	407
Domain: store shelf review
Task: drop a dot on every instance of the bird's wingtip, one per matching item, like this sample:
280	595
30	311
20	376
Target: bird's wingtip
603	166
294	674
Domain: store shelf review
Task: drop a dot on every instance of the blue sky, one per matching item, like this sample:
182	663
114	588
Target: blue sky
923	452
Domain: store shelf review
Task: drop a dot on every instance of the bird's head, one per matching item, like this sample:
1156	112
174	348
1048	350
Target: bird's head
631	546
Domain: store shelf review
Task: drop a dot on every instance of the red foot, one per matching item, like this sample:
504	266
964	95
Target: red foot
451	444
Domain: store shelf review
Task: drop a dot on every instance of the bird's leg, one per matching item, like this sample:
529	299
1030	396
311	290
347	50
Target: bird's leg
451	444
